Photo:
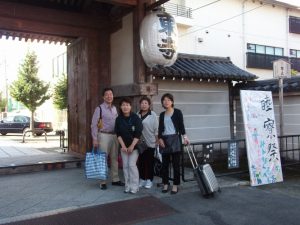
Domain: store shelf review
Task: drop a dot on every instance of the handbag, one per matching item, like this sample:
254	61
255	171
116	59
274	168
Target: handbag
96	165
172	144
157	163
157	154
141	146
100	122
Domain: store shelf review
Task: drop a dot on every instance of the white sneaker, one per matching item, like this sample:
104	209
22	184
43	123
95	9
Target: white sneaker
127	190
148	184
142	183
134	191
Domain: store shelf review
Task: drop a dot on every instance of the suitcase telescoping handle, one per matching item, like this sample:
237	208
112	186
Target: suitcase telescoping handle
191	154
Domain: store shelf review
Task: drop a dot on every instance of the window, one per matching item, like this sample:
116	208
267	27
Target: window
294	53
59	65
294	25
8	119
262	49
262	56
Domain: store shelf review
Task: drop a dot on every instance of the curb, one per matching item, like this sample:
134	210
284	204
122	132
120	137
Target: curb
40	166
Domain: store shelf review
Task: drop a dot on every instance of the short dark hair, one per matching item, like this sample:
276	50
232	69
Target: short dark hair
169	96
126	100
145	98
107	89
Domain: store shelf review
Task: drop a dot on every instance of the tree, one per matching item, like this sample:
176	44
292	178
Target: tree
28	88
3	102
294	72
60	95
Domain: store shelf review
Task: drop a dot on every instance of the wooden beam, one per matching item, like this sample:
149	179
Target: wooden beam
37	27
156	4
127	3
131	90
23	11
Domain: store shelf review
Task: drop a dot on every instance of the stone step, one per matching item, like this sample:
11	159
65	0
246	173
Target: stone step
40	166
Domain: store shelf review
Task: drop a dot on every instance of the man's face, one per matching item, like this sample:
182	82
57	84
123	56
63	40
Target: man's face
108	97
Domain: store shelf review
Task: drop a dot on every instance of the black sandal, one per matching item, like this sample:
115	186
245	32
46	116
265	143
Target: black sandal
165	190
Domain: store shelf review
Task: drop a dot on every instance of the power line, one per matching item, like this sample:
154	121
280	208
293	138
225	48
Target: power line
221	21
200	7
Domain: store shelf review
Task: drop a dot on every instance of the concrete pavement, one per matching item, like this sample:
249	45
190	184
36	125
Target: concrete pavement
34	155
39	194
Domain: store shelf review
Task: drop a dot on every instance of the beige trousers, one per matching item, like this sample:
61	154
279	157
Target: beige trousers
130	170
109	144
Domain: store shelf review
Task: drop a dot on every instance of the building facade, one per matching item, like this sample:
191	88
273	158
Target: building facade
252	33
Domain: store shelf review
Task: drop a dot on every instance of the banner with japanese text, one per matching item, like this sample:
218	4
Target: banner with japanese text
261	137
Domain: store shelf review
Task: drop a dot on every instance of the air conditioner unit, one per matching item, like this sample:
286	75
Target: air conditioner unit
200	39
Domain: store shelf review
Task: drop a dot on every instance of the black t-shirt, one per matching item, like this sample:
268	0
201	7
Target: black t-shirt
128	128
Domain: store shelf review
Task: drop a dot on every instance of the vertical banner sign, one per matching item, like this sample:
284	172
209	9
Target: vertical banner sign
233	155
261	137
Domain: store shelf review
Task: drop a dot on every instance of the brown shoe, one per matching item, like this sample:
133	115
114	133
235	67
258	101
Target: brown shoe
118	183
103	186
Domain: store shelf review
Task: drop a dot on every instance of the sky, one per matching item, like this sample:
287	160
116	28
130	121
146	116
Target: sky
12	54
291	2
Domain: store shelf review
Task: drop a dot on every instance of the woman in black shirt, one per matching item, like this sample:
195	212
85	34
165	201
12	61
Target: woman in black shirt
128	128
170	130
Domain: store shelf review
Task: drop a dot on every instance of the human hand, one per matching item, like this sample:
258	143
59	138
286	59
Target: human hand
95	144
161	143
130	149
186	141
124	149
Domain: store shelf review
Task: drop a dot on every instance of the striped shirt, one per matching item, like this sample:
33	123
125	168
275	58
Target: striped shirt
109	115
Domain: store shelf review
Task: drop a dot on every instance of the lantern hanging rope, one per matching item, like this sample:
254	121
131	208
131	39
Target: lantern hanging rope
159	39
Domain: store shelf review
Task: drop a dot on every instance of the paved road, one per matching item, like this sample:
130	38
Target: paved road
46	193
14	152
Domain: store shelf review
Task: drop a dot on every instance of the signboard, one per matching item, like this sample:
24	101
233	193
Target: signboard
233	155
261	137
208	152
281	69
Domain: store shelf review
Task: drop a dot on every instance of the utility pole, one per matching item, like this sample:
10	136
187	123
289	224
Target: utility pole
281	70
6	86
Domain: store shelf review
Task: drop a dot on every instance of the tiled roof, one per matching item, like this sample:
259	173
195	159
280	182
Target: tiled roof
289	85
207	67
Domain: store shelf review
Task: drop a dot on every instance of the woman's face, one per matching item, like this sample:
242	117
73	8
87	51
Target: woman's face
126	108
144	105
167	103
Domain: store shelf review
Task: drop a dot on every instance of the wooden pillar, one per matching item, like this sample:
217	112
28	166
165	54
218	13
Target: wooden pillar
88	74
231	110
139	67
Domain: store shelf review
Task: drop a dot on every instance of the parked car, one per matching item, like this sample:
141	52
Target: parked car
20	124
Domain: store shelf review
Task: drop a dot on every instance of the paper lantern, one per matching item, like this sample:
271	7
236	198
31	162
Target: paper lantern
159	39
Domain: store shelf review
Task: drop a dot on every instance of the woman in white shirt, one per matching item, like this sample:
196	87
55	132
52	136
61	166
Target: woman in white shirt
149	133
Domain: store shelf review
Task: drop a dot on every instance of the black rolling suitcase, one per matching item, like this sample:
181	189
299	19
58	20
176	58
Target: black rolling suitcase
204	175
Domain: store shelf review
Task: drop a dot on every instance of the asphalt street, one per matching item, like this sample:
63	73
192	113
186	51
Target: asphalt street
41	194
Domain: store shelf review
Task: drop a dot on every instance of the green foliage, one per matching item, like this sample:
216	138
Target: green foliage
28	88
294	72
2	104
60	95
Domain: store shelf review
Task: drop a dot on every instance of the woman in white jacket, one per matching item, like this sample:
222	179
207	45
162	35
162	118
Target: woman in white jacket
149	133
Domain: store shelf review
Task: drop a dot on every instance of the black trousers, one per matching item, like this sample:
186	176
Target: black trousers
146	164
166	158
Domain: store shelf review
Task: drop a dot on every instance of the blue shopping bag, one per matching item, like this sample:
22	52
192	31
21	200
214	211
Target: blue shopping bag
96	165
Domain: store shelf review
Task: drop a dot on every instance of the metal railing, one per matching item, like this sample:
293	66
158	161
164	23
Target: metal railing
178	10
63	139
264	61
216	153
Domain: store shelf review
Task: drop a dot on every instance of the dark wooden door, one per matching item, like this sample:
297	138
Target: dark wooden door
77	72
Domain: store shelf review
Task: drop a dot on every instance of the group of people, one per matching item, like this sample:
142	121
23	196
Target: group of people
112	131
